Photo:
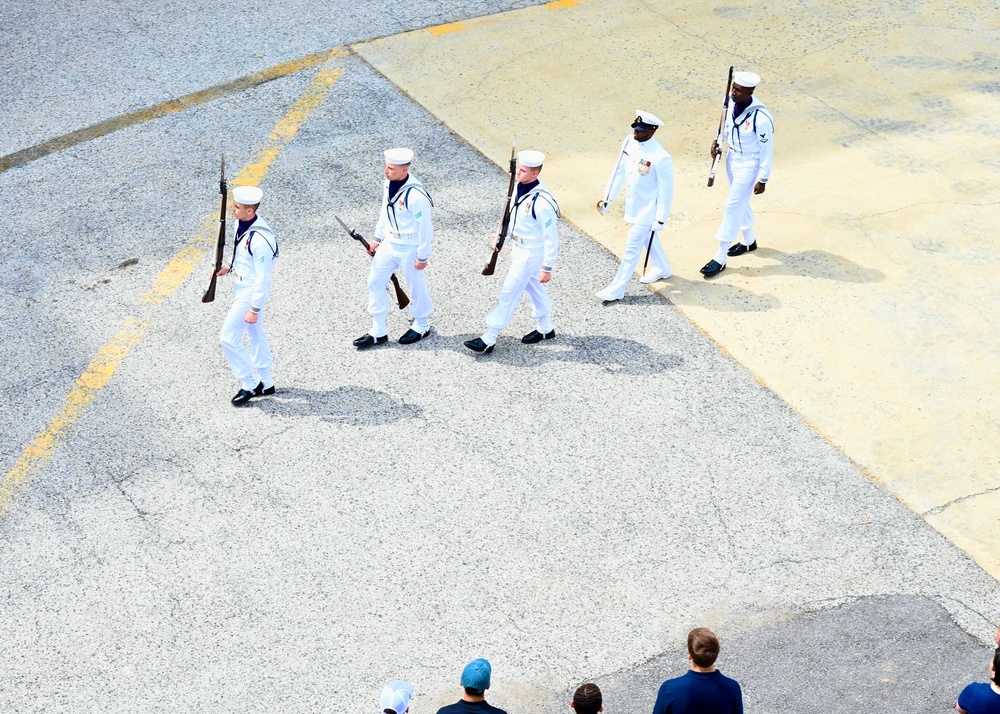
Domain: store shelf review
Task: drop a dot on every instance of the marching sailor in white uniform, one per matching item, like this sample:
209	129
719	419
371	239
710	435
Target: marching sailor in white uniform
749	131
646	170
534	237
254	252
402	239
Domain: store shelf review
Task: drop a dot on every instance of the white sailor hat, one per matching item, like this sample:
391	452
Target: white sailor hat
247	195
645	120
530	159
398	157
396	696
746	79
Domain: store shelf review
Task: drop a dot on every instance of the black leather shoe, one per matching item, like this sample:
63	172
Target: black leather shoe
366	341
412	336
477	345
740	249
242	397
259	390
536	336
712	267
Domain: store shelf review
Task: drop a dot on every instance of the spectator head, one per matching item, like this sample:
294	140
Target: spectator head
703	646
396	696
587	699
476	677
995	667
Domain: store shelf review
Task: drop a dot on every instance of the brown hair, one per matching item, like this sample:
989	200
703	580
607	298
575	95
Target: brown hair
703	646
587	699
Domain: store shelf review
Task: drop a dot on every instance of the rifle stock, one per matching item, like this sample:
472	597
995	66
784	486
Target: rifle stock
491	266
401	298
220	243
722	126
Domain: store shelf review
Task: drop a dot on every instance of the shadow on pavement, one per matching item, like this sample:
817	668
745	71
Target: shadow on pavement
810	264
345	405
614	355
715	294
721	296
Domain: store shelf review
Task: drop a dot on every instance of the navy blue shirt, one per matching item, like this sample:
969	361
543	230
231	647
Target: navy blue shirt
699	693
464	707
394	186
523	188
740	108
979	698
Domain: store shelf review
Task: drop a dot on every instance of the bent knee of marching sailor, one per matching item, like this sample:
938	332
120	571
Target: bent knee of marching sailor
229	341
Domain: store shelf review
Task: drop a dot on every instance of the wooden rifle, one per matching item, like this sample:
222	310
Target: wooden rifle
401	297
220	244
722	127
505	221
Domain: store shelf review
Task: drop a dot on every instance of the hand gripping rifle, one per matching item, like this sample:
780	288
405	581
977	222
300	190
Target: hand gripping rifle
505	222
401	297
722	127
220	244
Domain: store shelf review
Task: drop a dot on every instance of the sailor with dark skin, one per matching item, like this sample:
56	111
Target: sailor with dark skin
741	100
646	171
748	131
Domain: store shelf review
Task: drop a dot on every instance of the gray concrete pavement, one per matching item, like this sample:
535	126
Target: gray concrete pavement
567	510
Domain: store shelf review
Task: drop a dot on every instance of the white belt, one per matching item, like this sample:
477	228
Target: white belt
521	240
402	237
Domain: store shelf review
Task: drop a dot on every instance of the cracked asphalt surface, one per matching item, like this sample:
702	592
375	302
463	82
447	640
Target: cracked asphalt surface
568	510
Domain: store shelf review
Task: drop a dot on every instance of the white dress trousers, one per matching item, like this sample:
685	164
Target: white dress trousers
737	214
525	267
389	257
259	359
635	243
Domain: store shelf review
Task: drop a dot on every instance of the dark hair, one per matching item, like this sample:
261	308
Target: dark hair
474	692
703	646
996	666
587	699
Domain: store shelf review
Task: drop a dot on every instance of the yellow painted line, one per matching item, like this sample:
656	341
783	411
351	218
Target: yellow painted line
447	28
438	30
94	378
100	370
163	109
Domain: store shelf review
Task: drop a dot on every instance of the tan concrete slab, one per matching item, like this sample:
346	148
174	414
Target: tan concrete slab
869	306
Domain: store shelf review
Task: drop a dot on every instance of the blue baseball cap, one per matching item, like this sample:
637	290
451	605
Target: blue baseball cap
476	675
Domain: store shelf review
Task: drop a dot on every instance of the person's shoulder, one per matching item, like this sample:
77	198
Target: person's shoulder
659	153
416	193
761	108
675	682
729	684
493	710
976	690
548	201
